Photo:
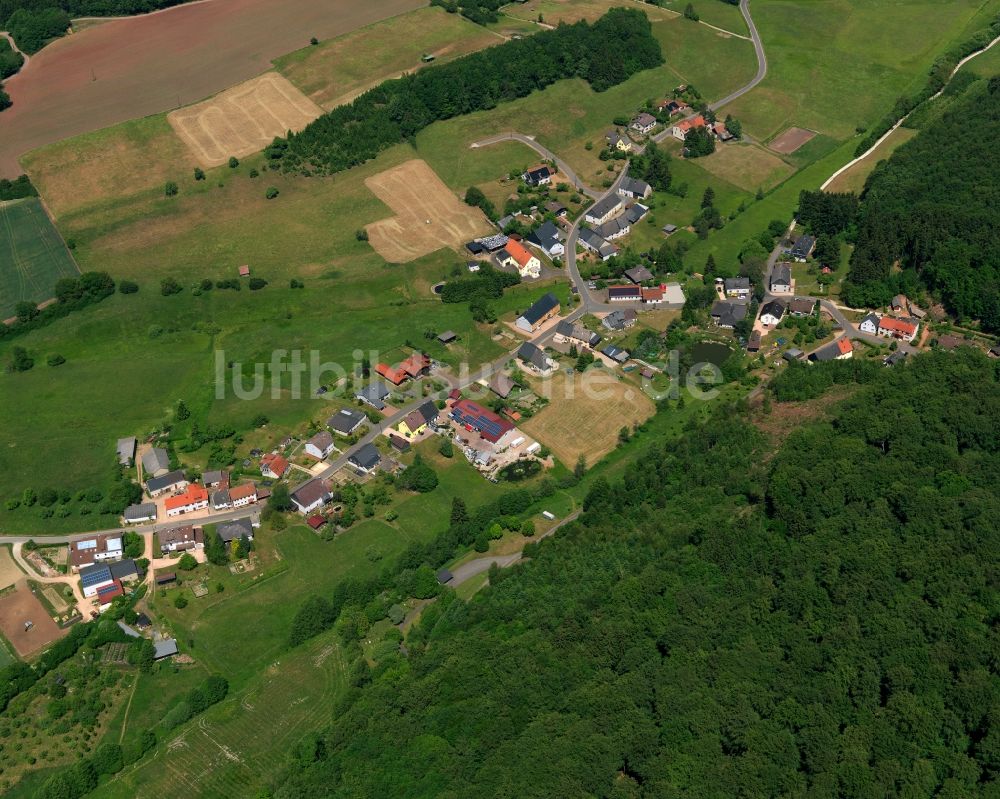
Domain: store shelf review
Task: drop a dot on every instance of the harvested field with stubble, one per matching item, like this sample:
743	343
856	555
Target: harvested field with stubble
790	140
20	606
585	413
9	571
242	120
133	67
428	214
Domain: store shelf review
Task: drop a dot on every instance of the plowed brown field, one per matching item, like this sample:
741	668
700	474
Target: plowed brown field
134	67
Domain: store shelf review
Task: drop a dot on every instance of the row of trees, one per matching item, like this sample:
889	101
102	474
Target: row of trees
72	294
931	208
723	620
604	53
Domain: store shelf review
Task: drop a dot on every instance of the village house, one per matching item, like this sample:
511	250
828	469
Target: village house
614	228
624	293
516	256
546	238
869	324
365	459
346	421
803	248
142	512
681	129
320	445
171	481
235	530
126	450
638	274
900	329
643	123
899	304
634	189
475	418
181	539
839	350
635	212
616	141
194	497
415	422
221	499
616	354
604	210
738	287
771	313
502	385
894	358
539	313
374	395
242	495
557	208
801	306
94	549
393	374
472	266
620	320
727	313
781	279
672	107
310	496
273	465
754	342
722	132
155	463
576	334
539	176
215	478
535	357
592	241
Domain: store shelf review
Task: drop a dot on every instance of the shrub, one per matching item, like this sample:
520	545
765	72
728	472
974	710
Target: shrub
180	601
233	162
128	287
170	286
170	188
257	283
55	360
199	173
271	192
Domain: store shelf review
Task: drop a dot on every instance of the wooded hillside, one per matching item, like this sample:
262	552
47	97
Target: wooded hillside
934	207
725	621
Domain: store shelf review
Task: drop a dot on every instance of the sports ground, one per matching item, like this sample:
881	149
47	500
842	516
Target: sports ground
32	255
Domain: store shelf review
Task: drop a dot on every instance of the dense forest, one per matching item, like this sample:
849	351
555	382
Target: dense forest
34	22
604	54
723	621
479	11
934	207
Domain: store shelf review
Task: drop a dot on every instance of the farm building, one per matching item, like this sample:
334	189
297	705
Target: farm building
126	450
474	417
603	210
171	481
94	549
592	240
155	463
634	188
143	512
194	497
540	312
624	293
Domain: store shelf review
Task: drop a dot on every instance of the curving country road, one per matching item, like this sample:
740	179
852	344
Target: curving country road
545	152
758	47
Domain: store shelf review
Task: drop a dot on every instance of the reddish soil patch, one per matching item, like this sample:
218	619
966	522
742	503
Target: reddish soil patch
791	140
21	606
134	67
786	417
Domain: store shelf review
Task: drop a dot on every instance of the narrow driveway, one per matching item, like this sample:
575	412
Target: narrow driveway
758	46
542	151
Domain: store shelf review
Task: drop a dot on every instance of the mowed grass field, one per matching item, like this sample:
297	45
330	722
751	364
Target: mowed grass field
232	748
32	255
854	178
838	64
585	414
338	70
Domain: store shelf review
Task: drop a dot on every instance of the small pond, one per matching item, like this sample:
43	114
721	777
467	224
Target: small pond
710	352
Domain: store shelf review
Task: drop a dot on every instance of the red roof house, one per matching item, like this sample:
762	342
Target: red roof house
416	364
392	374
273	465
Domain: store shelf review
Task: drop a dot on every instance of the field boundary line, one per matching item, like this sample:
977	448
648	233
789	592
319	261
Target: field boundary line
723	30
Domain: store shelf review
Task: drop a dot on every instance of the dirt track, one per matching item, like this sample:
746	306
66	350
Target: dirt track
133	67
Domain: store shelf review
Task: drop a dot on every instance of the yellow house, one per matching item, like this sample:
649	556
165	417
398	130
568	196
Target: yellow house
616	141
417	421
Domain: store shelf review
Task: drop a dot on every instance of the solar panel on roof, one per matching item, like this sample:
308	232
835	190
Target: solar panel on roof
84	545
95	576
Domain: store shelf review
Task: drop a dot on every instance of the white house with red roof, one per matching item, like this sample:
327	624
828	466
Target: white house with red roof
517	256
680	130
901	329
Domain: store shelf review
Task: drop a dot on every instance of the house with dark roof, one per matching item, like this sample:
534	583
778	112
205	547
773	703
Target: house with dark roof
540	312
616	141
634	189
604	209
727	313
502	385
624	294
125	571
221	499
643	123
576	334
614	228
143	512
638	274
634	213
171	481
556	207
620	320
309	496
771	313
895	358
126	450
593	241
539	176
616	354
181	539
754	342
803	248
781	279
415	422
802	306
235	530
839	350
869	324
95	577
346	421
546	238
738	287
374	395
365	459
535	357
155	462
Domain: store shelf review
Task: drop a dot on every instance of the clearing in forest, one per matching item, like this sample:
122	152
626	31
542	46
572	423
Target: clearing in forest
428	214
